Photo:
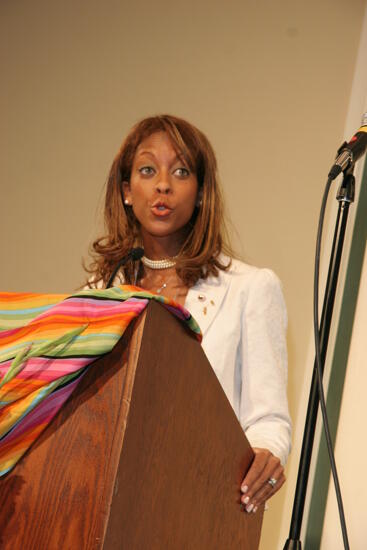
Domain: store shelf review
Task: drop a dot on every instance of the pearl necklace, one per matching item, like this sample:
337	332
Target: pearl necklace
159	264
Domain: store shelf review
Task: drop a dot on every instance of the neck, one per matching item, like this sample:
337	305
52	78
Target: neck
158	249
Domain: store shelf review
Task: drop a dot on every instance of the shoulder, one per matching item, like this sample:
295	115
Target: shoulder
257	290
248	276
94	284
100	284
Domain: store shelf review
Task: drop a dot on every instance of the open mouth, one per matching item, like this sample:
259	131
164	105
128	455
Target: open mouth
160	209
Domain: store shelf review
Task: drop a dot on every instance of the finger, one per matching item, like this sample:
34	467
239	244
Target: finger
258	480
273	471
264	490
267	490
253	504
261	458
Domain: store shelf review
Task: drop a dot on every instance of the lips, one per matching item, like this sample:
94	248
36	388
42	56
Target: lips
161	209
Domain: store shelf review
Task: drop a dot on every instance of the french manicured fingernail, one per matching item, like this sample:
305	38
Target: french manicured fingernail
244	488
246	500
249	508
254	510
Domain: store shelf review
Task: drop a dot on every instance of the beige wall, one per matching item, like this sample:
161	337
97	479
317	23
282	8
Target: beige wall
269	82
351	447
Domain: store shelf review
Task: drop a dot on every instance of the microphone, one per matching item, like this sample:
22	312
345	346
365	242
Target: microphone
135	254
350	152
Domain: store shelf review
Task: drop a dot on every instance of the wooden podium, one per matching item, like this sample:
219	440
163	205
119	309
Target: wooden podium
147	454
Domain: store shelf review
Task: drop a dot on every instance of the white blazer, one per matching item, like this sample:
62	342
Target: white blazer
243	319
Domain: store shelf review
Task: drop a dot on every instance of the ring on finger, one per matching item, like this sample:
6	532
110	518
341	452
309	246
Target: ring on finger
272	481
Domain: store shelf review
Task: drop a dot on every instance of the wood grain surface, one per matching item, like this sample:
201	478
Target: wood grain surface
184	454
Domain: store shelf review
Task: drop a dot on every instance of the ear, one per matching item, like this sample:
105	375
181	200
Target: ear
126	193
199	198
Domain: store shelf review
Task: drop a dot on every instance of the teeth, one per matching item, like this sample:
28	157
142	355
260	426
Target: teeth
161	207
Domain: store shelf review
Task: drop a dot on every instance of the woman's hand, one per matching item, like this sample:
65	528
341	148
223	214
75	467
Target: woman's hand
264	478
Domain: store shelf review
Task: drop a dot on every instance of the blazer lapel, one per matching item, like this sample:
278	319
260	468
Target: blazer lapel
205	298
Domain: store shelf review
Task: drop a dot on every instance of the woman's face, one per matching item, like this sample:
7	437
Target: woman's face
162	191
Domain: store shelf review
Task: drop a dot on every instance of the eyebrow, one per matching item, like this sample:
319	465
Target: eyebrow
147	152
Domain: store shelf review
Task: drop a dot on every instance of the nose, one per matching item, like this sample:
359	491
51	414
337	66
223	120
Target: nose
163	185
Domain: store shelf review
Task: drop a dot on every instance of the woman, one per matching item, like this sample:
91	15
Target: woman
162	194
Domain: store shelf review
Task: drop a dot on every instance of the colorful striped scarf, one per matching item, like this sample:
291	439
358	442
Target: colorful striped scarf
47	342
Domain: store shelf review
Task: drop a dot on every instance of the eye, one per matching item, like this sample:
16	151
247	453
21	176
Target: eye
182	172
146	170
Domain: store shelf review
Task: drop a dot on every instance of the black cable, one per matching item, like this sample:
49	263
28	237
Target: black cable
134	255
319	368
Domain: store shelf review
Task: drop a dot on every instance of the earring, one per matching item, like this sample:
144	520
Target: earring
126	202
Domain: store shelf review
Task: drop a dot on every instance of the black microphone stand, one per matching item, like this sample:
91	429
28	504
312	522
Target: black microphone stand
345	196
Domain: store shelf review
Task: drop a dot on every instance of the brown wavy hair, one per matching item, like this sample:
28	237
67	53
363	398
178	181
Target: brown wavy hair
199	256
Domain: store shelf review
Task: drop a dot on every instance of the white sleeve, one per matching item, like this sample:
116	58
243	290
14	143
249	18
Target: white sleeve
264	408
94	285
100	284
